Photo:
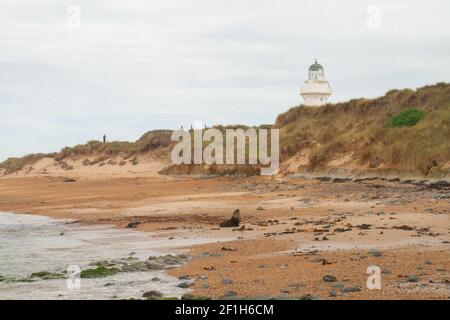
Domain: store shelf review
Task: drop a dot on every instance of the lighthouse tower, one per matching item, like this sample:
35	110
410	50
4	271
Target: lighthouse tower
316	90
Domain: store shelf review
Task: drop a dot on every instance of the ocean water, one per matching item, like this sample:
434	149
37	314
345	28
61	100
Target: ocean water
30	243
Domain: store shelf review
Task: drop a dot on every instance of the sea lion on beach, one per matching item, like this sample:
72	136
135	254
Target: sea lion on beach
233	222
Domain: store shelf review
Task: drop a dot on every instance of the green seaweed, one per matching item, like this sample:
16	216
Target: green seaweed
99	272
23	280
46	275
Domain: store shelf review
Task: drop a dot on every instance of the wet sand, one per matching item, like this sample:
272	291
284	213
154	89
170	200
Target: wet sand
292	233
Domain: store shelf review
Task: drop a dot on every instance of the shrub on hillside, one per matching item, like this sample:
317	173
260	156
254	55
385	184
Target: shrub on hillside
407	118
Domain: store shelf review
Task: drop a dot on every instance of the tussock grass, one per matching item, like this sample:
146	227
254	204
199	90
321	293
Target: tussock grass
150	141
12	165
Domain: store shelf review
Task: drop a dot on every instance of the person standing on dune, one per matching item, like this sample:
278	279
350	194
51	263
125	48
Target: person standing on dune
104	138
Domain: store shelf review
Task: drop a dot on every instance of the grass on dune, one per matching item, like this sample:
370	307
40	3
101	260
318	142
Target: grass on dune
409	129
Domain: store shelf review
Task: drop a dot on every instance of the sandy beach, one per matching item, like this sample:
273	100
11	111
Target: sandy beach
293	231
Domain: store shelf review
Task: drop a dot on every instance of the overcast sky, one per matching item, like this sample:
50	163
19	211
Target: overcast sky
134	66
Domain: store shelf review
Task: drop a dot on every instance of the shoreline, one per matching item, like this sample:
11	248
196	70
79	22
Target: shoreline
37	270
271	209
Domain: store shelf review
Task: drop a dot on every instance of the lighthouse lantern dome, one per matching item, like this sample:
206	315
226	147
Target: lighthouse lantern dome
316	71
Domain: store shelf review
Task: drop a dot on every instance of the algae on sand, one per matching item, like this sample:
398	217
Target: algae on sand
99	272
46	275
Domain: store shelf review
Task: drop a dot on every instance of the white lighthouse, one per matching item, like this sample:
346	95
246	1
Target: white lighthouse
316	90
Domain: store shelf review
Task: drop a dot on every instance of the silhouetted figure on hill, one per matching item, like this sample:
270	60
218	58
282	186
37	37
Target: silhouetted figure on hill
104	138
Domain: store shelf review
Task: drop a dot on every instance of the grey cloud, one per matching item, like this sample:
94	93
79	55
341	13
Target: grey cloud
141	65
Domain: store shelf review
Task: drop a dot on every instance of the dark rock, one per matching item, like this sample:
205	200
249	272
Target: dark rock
375	253
403	227
208	254
172	260
328	278
307	297
341	180
385	271
412	278
153	294
233	222
133	225
440	185
229	294
150	266
340	230
190	296
323	178
228	249
184	285
323	261
350	289
140	266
